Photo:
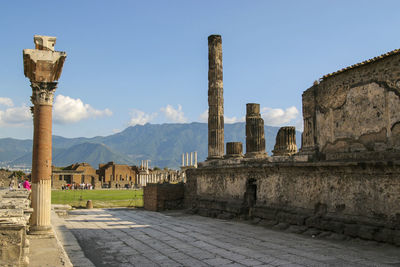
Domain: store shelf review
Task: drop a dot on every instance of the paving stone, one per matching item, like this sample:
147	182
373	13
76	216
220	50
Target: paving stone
200	241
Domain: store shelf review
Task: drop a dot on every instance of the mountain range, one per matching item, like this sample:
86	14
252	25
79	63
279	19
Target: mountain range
162	144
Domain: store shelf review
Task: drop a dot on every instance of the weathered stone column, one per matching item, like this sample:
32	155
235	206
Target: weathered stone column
215	98
285	144
234	150
255	140
195	159
183	159
43	67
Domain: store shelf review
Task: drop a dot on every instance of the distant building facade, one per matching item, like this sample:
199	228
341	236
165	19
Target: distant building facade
117	175
77	173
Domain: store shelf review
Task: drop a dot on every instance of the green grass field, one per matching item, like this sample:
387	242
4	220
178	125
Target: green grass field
100	198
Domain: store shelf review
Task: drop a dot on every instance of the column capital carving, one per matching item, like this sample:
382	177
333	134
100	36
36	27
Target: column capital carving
43	93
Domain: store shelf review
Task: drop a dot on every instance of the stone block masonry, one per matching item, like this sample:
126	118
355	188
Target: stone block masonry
349	198
159	197
14	217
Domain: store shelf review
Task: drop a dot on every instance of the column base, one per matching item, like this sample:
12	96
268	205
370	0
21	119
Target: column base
43	231
214	158
256	155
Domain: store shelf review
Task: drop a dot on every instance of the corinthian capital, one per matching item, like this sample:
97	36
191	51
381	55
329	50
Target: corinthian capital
43	92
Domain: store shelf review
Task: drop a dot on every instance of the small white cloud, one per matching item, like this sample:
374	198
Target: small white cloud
139	117
174	115
277	116
5	101
204	116
233	119
15	116
69	110
299	125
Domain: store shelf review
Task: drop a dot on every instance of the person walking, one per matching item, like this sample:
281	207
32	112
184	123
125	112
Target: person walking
27	185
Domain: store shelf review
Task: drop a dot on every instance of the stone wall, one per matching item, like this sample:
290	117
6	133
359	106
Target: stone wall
349	198
14	217
159	197
354	113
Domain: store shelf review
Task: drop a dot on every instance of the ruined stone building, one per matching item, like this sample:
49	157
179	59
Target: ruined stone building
77	173
345	180
117	175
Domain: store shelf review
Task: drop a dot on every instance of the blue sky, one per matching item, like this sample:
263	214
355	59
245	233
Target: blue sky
132	62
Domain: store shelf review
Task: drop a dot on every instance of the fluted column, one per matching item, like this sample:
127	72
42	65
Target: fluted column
255	139
215	98
285	144
234	150
43	67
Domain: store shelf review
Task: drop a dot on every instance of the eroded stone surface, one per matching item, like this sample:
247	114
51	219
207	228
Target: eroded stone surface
354	112
215	98
122	237
14	216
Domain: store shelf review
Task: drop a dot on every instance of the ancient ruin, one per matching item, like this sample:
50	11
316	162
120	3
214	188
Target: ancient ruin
14	217
344	181
234	150
285	144
215	98
43	67
255	139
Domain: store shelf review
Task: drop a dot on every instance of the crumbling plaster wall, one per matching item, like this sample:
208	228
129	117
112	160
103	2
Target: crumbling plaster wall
355	110
330	196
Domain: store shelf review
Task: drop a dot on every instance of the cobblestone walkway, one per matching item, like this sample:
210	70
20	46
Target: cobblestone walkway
122	237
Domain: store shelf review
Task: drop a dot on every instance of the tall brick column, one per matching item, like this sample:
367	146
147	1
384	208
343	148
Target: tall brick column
43	67
215	99
255	139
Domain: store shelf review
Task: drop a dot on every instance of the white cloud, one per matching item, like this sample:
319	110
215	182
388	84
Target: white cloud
140	117
15	116
174	115
69	110
204	116
299	125
233	119
277	116
5	101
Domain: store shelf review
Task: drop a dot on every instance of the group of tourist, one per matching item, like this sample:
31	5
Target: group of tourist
24	184
77	186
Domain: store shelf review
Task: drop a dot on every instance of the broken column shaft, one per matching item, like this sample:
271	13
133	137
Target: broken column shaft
255	139
234	150
215	99
43	67
285	144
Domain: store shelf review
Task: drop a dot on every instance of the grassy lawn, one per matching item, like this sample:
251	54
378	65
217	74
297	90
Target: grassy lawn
100	198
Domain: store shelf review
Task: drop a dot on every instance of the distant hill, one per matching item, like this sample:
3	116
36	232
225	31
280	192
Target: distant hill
163	144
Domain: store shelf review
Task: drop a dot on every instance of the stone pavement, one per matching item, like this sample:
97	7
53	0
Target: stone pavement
128	237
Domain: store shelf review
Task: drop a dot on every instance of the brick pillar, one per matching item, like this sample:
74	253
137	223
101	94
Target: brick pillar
43	67
215	99
42	98
255	140
285	144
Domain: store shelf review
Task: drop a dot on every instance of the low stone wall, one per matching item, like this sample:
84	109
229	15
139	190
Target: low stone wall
159	197
15	212
354	199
